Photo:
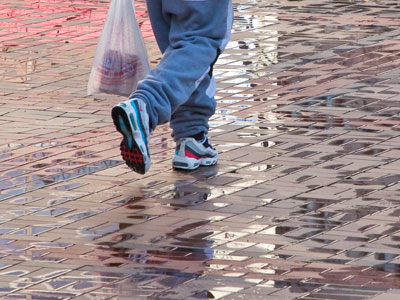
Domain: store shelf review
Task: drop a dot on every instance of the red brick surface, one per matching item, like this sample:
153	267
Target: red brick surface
303	204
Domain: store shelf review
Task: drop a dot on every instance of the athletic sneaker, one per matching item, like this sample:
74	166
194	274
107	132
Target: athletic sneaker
132	121
191	153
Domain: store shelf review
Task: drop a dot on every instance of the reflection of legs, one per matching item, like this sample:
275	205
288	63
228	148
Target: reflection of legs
130	117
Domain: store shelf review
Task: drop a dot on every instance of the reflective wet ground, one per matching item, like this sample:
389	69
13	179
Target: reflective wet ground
304	203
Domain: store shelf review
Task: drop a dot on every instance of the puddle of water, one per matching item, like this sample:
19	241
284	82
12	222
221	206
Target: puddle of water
47	144
385	256
56	170
25	200
356	254
6	155
359	212
13	173
31	157
265	144
82	215
371	152
53	212
262	168
85	154
388	268
323	223
10	146
49	245
40	166
72	163
6	230
339	142
277	230
58	160
62	199
68	187
32	230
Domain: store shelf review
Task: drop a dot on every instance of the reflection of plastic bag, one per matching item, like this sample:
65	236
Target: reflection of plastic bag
121	57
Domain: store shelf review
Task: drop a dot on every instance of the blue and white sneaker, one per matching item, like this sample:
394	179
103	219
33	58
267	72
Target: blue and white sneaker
191	153
132	121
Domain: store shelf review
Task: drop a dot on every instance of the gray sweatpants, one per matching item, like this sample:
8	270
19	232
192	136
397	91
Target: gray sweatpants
190	34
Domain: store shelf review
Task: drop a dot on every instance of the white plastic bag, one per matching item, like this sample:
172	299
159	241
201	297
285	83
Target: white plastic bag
121	58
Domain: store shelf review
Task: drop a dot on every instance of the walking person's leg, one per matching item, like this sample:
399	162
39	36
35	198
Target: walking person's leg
130	117
198	30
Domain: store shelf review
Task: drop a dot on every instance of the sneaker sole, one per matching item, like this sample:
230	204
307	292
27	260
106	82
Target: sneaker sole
133	150
188	163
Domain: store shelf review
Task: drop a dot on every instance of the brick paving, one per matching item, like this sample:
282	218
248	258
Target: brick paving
302	205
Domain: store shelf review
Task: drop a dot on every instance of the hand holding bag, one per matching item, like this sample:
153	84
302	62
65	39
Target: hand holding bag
121	59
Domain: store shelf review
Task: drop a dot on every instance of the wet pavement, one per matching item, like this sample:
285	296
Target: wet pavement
304	203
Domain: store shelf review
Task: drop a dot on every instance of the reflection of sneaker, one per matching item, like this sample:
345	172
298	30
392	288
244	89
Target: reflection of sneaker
132	121
190	154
